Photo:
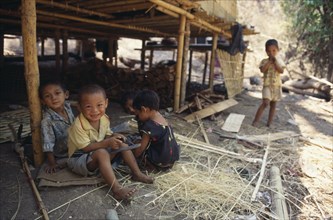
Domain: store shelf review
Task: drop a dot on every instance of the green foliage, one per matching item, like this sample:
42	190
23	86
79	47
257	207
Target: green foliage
312	23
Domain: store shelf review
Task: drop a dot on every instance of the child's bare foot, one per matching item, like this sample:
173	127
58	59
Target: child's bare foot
123	193
255	124
142	178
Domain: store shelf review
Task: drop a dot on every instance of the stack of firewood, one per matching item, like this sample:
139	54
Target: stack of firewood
161	80
116	81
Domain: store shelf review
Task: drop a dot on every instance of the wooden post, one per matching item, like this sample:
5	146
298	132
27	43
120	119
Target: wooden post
115	52
205	68
43	47
110	51
143	54
279	205
57	50
190	70
2	43
64	53
151	57
185	60
179	62
212	62
31	74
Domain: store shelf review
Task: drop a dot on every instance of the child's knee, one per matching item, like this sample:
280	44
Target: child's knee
272	103
101	154
265	103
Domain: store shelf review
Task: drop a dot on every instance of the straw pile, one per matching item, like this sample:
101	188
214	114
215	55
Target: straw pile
204	185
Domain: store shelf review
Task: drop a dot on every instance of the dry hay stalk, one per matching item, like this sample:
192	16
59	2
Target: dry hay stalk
204	187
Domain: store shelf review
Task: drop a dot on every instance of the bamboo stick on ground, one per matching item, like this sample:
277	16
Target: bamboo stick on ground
262	171
279	205
203	130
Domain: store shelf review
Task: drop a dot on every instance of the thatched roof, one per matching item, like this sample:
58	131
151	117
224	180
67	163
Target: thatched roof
139	19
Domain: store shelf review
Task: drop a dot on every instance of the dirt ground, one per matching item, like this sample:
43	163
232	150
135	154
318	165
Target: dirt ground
313	122
306	169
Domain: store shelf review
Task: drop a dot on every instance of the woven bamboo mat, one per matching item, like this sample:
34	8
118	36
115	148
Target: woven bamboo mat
16	117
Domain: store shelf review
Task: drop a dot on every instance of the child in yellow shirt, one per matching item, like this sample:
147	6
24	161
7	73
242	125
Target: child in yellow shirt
90	134
271	67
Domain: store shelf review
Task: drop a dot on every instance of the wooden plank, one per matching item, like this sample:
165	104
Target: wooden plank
233	122
212	109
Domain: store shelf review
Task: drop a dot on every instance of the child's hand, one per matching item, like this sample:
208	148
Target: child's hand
120	137
52	168
114	142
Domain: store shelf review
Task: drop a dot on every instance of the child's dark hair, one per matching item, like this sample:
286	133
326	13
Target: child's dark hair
271	42
146	98
50	82
90	89
129	95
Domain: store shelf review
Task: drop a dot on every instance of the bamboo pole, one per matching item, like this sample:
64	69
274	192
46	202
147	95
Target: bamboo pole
180	51
76	9
110	51
184	64
54	26
143	55
64	53
205	68
57	50
31	74
43	47
151	57
190	70
2	40
279	205
192	18
104	23
202	128
262	170
212	61
116	53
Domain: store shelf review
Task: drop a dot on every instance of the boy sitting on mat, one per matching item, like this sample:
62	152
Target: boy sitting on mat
90	134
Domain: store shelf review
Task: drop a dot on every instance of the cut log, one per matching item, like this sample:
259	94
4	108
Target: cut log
212	109
317	94
315	78
279	205
309	84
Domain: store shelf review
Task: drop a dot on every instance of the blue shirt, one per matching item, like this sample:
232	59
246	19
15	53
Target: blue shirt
54	131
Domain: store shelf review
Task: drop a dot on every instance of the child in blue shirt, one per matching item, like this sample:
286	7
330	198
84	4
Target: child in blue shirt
57	118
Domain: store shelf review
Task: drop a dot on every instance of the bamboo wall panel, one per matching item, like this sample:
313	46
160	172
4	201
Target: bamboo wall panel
232	70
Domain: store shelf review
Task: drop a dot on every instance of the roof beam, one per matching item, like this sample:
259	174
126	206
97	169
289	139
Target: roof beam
73	8
193	19
104	23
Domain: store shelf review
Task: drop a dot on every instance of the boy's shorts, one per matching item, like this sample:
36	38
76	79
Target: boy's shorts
79	165
272	94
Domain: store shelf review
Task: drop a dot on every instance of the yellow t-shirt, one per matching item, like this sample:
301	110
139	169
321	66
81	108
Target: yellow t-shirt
81	133
272	76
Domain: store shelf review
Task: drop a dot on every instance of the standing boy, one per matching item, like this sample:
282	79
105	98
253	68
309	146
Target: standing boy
90	134
271	67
